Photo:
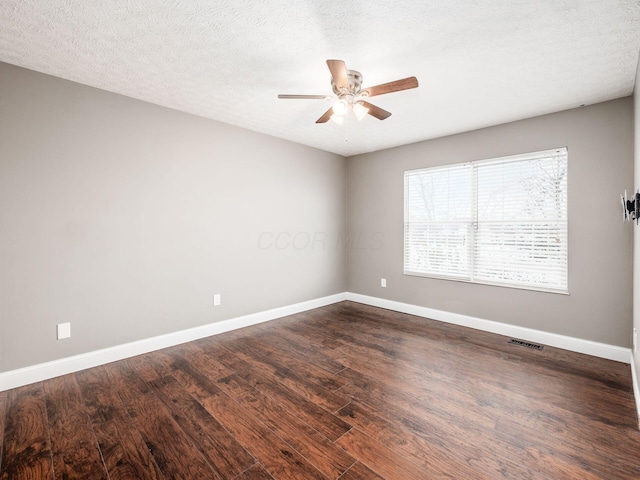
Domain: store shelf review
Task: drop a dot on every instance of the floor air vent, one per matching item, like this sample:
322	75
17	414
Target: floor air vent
535	346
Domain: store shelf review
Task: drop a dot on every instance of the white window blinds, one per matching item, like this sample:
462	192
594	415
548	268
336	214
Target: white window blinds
500	221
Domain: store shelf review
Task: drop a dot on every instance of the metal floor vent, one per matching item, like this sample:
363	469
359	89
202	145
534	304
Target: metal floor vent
535	346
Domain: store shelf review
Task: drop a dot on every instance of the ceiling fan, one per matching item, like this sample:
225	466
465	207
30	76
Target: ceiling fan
349	95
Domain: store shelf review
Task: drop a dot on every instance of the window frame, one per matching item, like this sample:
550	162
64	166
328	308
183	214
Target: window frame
474	222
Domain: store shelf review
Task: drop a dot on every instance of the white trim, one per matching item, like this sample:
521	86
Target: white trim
63	366
636	387
589	347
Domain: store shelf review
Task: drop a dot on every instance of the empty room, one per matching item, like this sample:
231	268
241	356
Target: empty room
319	240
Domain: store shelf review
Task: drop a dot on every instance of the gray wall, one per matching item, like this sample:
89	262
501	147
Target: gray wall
124	218
600	142
636	231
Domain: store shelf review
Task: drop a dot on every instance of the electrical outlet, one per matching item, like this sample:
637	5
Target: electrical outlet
216	300
383	282
64	330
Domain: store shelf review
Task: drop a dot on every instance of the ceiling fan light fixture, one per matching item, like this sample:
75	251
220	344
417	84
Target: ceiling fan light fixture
339	119
360	110
340	108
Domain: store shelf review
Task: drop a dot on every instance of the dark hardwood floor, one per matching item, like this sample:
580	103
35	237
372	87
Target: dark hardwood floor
345	391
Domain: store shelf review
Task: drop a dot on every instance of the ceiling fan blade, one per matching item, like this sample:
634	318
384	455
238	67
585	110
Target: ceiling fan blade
397	86
312	97
326	116
339	73
377	112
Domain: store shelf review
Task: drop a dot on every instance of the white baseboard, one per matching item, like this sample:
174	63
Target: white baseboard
63	366
636	387
603	350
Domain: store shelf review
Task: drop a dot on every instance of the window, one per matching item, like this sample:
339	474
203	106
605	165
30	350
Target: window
500	222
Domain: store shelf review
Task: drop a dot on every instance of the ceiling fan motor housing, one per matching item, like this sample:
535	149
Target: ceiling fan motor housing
355	82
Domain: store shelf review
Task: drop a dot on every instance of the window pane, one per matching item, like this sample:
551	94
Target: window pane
437	249
522	254
533	189
440	195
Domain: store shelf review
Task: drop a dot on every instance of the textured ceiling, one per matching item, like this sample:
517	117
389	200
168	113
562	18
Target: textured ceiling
479	63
